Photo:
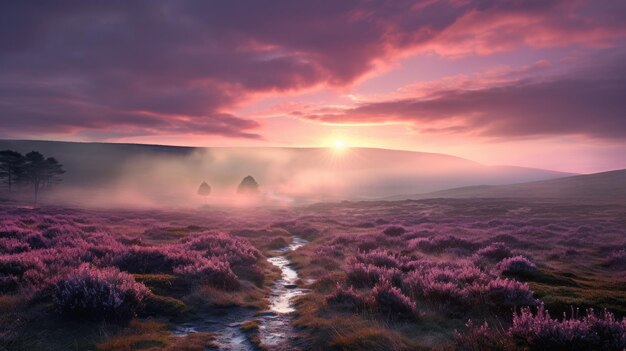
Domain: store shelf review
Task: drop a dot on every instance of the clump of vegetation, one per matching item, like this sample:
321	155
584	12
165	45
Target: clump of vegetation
33	169
617	260
519	265
214	272
94	293
390	300
379	258
442	243
248	186
539	331
347	298
493	253
367	275
394	230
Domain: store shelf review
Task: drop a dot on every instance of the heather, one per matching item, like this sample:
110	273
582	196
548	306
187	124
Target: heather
95	266
537	330
516	265
390	275
454	260
99	293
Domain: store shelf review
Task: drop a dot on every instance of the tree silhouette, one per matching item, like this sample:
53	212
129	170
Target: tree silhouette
11	166
204	190
41	172
248	186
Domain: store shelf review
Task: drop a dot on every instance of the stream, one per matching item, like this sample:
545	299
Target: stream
275	327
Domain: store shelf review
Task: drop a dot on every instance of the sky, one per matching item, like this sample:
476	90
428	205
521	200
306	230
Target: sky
536	83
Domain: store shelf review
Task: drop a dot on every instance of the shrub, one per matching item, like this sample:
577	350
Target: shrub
12	245
391	301
617	260
442	243
346	298
538	332
94	293
153	259
277	242
592	332
12	230
446	285
214	272
367	275
508	293
18	264
455	287
235	250
379	258
493	253
519	265
394	230
329	250
370	242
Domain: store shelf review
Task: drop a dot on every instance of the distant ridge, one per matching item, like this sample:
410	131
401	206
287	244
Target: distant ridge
603	187
160	174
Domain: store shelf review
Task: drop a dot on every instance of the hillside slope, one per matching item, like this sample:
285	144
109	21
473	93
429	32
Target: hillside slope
604	187
154	173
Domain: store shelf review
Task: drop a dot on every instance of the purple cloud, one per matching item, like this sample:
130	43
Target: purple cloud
587	101
154	67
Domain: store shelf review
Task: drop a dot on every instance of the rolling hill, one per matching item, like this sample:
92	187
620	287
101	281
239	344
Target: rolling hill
155	174
604	187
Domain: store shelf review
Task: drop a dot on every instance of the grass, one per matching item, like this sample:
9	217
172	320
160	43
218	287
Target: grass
544	233
153	335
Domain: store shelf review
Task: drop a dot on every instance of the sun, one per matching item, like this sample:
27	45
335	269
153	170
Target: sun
340	144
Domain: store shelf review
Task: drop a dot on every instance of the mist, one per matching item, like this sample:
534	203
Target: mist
129	175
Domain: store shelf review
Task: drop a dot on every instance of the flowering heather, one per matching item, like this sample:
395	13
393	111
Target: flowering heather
539	331
153	259
617	260
503	294
12	245
370	242
236	251
99	293
390	300
38	248
331	250
455	261
450	285
442	243
516	265
379	258
493	253
367	275
346	298
591	332
394	230
213	271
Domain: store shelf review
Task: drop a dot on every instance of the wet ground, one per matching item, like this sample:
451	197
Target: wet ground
275	329
224	324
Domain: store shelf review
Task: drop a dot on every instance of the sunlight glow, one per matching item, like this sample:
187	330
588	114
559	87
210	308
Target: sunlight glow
340	144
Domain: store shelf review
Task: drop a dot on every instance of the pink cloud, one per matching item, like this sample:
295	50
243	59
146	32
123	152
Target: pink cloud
584	101
150	68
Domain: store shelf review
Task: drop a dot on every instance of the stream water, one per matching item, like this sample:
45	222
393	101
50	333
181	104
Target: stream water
275	328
